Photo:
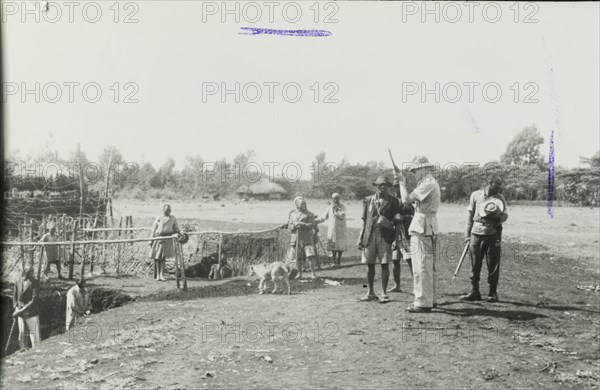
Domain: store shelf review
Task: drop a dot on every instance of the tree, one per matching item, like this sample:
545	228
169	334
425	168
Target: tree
593	162
116	164
524	149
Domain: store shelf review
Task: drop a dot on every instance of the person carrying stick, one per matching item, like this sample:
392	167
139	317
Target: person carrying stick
25	304
302	224
161	250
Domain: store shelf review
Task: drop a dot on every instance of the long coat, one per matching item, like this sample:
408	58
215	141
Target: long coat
335	215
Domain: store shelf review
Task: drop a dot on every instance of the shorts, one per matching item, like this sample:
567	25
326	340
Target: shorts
305	250
378	249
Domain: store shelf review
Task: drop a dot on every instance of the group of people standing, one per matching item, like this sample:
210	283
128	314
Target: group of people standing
397	224
303	225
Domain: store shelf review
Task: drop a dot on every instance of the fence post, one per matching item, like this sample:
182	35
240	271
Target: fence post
174	243
72	257
83	261
180	246
39	273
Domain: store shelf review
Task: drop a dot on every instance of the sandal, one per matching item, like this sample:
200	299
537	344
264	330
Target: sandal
368	298
384	299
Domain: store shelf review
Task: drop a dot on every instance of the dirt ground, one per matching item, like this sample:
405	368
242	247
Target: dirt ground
544	332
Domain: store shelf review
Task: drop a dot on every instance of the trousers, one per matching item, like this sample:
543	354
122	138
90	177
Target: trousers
424	272
488	246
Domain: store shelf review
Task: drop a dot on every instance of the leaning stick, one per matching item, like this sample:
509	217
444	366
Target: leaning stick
462	258
12	330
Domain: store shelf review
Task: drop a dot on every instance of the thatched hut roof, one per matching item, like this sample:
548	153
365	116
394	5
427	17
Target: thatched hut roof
264	186
243	189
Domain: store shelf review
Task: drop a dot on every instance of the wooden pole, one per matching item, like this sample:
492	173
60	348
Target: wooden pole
64	235
219	250
83	248
118	249
32	222
104	249
41	260
109	201
81	183
91	252
22	258
72	257
182	257
22	250
176	261
31	257
121	241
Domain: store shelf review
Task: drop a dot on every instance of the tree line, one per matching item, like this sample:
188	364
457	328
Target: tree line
522	167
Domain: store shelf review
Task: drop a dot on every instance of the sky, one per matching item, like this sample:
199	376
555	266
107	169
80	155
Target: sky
161	80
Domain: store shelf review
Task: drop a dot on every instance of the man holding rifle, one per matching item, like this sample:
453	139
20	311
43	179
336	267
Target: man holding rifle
423	230
486	213
377	235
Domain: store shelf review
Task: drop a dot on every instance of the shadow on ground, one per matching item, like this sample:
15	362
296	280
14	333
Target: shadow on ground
237	287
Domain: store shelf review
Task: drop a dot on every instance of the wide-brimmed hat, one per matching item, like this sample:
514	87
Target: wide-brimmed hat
420	162
490	207
382	179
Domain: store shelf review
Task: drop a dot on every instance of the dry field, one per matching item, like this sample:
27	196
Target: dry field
543	333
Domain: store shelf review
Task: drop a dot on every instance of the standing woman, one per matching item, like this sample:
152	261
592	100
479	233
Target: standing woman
336	228
165	225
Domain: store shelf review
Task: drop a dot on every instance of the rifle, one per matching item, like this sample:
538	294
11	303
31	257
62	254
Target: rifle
393	163
462	258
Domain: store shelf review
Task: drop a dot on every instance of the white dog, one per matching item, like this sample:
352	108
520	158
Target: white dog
270	270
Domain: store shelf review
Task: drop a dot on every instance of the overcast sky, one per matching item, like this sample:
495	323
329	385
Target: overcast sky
376	53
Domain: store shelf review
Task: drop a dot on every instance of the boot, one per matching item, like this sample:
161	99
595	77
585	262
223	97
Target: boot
471	297
493	295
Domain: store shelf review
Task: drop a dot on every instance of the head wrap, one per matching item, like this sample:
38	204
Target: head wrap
335	195
298	200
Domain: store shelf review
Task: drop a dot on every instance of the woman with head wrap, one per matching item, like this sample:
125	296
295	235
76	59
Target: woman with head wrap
164	225
302	224
336	228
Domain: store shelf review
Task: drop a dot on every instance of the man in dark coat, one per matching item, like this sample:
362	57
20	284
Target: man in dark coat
25	304
378	234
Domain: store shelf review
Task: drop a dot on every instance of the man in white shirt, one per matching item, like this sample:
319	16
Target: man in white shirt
423	230
78	303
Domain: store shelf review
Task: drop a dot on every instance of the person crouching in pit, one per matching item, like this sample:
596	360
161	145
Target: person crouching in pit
164	226
78	303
